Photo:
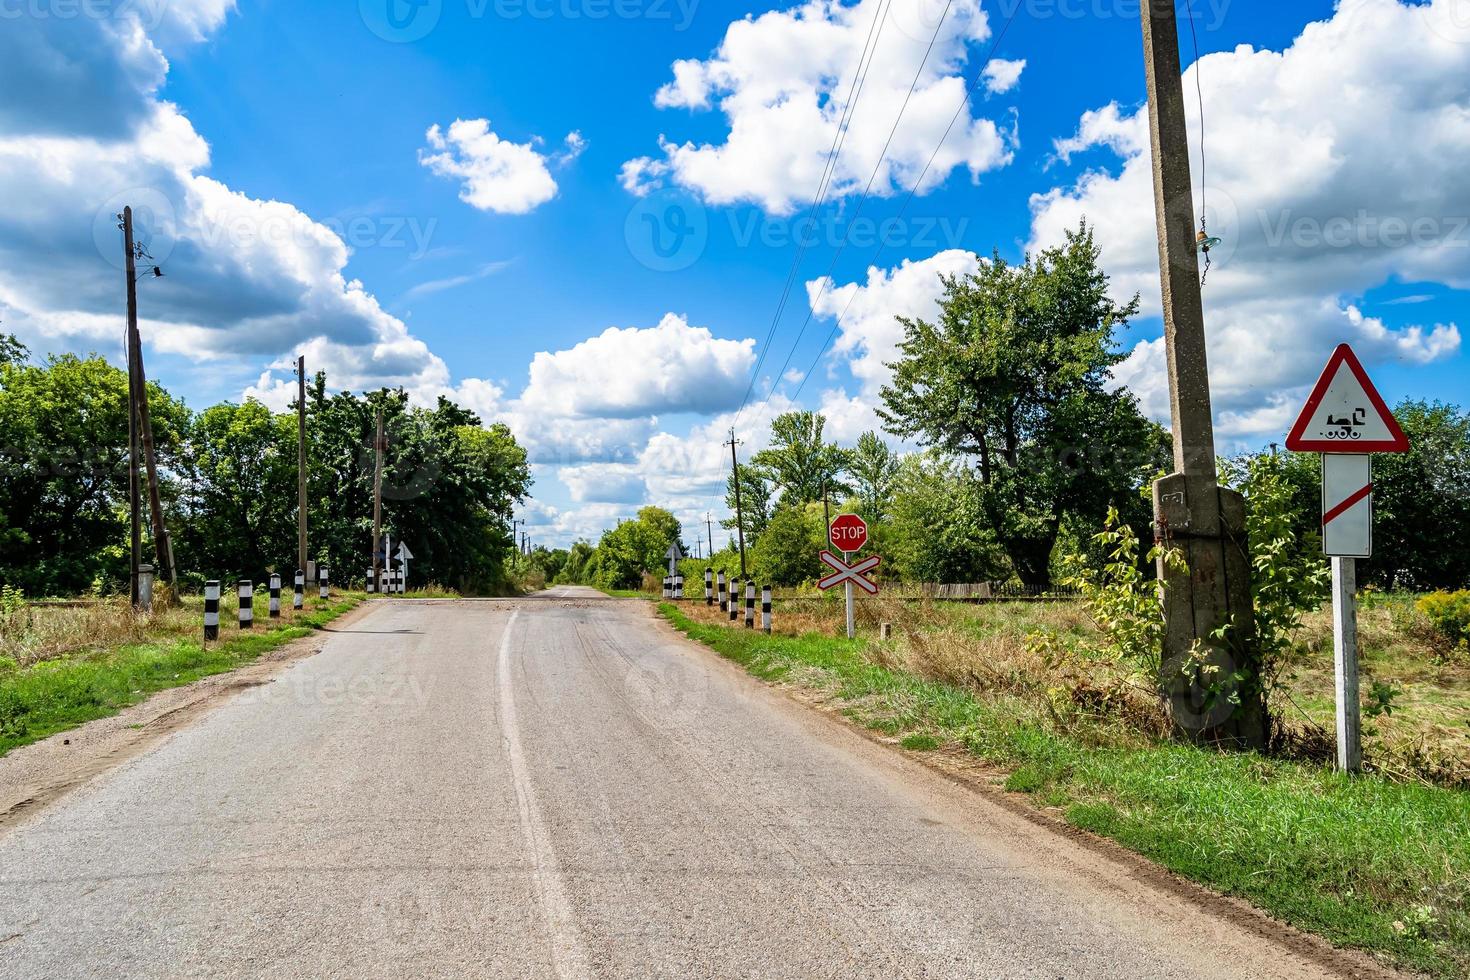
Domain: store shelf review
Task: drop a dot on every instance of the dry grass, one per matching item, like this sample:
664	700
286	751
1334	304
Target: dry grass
991	651
33	633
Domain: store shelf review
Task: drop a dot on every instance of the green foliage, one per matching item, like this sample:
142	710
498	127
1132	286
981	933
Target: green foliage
1016	373
12	351
229	483
1124	597
64	472
800	463
787	554
755	502
939	531
1289	576
1381	698
632	548
874	470
1421	502
1449	614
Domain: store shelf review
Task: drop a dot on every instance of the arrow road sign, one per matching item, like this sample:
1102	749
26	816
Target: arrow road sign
1345	413
674	554
403	553
843	572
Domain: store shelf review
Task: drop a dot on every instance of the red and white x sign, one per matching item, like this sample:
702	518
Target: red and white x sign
857	574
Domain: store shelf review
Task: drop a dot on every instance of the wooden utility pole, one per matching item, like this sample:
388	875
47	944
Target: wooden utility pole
301	463
739	511
1192	512
378	447
142	429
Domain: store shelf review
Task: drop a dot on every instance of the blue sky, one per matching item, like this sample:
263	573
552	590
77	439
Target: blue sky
486	248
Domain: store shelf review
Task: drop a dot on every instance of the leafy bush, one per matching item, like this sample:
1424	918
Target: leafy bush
1124	598
1449	613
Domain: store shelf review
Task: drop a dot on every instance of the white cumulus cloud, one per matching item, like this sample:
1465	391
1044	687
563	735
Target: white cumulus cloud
782	81
495	174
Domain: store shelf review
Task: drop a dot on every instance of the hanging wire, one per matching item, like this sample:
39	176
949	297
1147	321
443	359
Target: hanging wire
1203	239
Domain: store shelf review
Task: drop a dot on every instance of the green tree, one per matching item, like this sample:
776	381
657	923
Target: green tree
632	548
64	471
787	554
874	470
800	462
939	531
1016	373
755	502
1421	502
12	351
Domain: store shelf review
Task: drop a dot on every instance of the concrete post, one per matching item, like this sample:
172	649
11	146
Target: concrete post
709	589
372	586
211	610
298	599
145	588
275	587
1192	512
324	580
1345	655
749	604
247	604
766	608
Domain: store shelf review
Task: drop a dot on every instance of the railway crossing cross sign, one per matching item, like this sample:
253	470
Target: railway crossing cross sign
845	574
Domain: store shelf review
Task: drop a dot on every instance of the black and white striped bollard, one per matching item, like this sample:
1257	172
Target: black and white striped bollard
709	586
322	578
298	597
247	604
211	610
722	590
766	608
749	604
734	599
371	585
275	587
679	587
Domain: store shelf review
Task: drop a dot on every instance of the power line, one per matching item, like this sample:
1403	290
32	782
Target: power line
913	191
829	171
857	212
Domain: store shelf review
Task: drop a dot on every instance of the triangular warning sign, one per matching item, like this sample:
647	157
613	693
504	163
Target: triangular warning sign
1346	414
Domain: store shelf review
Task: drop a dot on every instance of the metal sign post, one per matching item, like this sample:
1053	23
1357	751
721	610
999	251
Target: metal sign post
1345	419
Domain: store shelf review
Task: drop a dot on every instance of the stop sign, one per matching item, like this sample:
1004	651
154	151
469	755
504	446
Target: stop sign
849	532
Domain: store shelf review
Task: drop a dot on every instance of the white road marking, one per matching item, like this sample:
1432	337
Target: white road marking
567	953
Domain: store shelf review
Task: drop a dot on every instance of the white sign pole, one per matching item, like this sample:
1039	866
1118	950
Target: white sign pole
1345	657
847	592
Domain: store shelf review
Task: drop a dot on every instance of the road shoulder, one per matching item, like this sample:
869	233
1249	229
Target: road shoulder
35	776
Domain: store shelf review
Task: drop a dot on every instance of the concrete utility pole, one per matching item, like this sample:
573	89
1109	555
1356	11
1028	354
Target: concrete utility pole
378	447
1191	510
709	529
135	516
141	429
739	511
301	462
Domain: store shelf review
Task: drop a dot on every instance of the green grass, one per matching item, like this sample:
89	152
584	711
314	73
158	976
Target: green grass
55	695
1367	863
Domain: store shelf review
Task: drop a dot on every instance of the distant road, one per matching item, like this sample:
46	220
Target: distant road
562	787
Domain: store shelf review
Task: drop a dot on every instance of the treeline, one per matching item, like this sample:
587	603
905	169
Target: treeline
1028	444
228	477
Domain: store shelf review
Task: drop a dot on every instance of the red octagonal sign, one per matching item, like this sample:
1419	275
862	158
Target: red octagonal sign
849	532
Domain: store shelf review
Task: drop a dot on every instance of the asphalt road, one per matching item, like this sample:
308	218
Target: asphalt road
561	787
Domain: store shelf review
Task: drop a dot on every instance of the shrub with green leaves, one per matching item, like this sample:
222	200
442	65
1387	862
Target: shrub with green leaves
1449	613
